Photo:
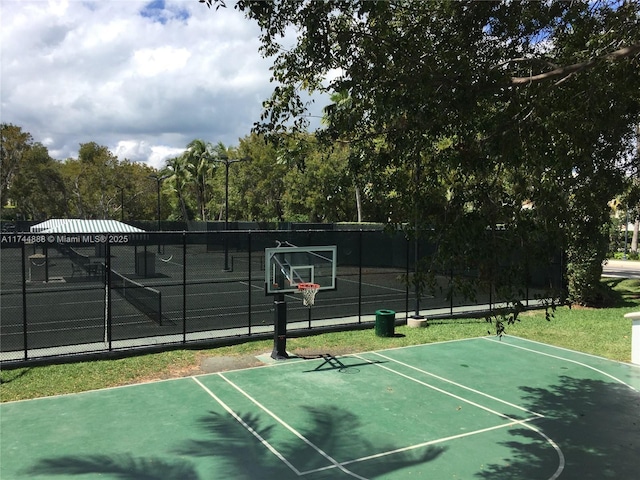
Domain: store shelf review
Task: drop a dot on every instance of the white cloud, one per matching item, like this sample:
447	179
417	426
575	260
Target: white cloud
132	149
142	78
150	62
153	155
160	154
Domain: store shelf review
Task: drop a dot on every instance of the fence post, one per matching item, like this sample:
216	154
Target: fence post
360	243
416	260
451	292
406	272
280	328
24	305
107	295
249	284
184	287
527	280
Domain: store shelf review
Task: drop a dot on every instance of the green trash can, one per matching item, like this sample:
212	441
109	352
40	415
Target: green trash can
385	323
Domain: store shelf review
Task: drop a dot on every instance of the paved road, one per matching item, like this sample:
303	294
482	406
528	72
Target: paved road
621	268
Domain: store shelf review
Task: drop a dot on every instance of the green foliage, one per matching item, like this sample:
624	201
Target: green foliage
95	185
258	187
199	163
539	111
14	143
297	180
101	186
322	191
179	176
504	317
38	187
580	272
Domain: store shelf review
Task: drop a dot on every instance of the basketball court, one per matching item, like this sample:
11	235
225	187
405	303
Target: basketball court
474	408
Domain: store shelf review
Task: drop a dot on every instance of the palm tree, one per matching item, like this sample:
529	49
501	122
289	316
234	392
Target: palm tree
199	155
179	177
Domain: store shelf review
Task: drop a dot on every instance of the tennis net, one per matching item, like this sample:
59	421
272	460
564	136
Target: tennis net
146	299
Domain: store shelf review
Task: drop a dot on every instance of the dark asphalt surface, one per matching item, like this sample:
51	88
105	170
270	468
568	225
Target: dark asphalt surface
621	269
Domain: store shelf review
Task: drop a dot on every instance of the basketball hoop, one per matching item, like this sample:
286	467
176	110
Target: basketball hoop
308	291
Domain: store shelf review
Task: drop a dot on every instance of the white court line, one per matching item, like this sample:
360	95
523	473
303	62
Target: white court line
382	287
255	287
539	415
437	389
248	427
626	364
334	462
564	360
561	459
420	445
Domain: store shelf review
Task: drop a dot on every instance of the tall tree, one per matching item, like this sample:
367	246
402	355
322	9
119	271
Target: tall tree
227	176
261	181
38	189
133	197
13	145
92	180
341	100
320	189
472	109
199	156
179	176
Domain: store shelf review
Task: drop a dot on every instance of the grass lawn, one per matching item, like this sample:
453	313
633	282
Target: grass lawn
603	332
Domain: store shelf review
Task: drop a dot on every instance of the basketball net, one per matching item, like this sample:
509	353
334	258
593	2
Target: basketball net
308	291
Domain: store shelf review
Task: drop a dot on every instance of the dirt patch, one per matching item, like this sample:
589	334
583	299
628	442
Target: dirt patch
238	362
205	365
223	364
171	372
214	364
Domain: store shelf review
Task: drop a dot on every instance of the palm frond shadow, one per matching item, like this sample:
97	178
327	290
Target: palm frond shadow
330	430
125	466
595	423
245	449
8	376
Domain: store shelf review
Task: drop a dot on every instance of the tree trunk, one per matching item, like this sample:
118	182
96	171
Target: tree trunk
636	225
183	207
79	205
358	202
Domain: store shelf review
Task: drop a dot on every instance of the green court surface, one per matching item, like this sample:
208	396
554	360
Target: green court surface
469	409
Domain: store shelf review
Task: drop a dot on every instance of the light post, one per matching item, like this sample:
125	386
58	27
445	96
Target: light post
416	268
227	162
158	180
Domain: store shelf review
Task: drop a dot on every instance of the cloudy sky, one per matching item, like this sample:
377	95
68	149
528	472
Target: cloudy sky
143	78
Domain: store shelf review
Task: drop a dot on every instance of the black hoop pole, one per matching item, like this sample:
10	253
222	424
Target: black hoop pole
280	328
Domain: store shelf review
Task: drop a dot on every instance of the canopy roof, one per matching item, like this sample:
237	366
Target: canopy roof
64	225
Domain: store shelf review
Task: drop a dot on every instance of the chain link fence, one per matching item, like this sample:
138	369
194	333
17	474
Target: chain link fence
69	294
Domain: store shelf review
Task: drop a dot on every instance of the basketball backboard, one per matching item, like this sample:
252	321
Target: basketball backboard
286	267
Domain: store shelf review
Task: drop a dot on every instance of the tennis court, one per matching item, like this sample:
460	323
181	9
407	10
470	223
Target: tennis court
475	408
79	294
69	315
73	314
